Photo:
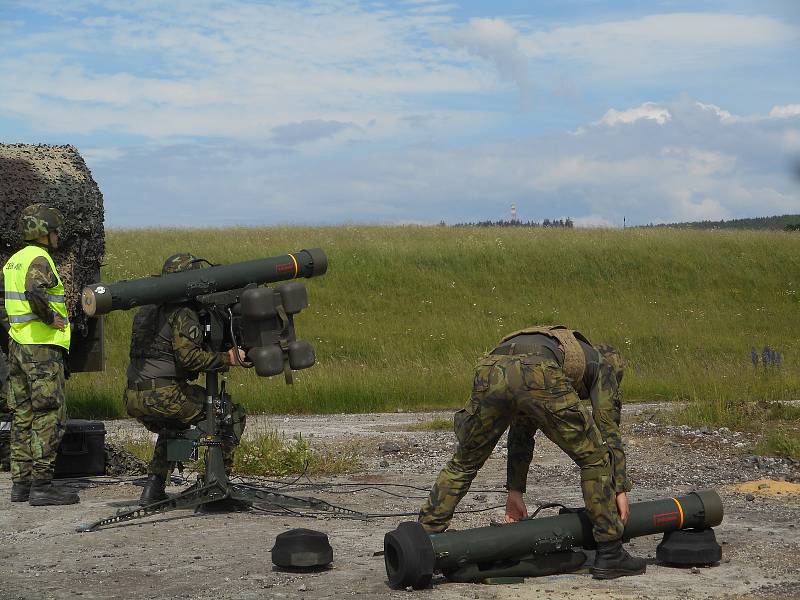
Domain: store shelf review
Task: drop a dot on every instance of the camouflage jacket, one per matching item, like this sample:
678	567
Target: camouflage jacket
187	343
167	341
606	402
38	280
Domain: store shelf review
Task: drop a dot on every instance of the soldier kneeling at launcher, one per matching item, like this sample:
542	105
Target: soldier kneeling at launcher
537	378
166	353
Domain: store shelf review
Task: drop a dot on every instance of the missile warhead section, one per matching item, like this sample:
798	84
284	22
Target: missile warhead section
412	556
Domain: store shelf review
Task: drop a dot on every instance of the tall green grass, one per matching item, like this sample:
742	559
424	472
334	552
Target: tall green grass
404	312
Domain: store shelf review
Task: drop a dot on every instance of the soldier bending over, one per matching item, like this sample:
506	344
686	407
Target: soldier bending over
536	379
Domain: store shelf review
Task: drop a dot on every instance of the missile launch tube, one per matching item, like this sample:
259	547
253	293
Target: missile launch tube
100	298
412	556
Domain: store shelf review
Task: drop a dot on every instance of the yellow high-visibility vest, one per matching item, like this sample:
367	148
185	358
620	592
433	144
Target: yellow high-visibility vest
26	326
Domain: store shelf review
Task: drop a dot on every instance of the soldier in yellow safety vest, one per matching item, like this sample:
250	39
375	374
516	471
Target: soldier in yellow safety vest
35	314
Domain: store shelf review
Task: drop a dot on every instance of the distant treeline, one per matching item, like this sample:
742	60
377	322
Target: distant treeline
783	222
564	224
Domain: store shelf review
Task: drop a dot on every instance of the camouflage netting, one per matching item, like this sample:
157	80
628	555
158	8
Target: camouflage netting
58	177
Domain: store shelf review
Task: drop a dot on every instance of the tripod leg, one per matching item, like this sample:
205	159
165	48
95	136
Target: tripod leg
191	498
259	495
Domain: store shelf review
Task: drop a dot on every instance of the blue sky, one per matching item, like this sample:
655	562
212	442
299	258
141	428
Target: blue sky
193	112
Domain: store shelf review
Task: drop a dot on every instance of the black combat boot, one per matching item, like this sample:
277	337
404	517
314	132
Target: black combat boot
612	561
44	493
153	490
20	490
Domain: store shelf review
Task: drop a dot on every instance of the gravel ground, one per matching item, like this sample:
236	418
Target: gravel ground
183	555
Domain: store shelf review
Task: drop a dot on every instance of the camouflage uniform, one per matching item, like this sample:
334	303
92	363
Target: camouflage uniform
36	387
606	410
5	414
530	388
164	401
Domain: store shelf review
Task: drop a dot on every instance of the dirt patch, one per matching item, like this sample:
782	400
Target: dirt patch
187	556
769	487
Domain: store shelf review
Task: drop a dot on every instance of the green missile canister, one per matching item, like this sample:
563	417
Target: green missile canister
101	298
543	544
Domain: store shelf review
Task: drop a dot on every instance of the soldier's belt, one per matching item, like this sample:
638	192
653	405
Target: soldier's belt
530	349
151	384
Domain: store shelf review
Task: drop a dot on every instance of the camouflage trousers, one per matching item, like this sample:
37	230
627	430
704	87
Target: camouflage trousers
536	388
5	420
36	400
168	411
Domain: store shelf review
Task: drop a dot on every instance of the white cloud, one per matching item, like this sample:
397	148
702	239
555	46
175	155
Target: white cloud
791	140
497	41
781	112
94	156
723	115
648	110
309	131
658	44
702	163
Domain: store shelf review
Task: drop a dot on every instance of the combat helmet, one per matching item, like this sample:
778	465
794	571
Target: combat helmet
613	358
182	261
37	220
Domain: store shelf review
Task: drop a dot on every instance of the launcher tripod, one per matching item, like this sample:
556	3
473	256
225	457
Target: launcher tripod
214	487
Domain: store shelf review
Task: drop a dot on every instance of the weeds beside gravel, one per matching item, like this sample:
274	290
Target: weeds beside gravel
437	424
777	423
268	453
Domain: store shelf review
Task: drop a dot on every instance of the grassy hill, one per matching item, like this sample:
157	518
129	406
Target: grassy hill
776	223
404	312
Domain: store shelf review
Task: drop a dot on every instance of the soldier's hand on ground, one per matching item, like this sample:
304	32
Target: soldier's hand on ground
622	506
232	356
58	323
515	507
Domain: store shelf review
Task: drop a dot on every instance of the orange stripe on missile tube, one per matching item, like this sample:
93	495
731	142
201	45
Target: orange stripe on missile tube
297	269
680	511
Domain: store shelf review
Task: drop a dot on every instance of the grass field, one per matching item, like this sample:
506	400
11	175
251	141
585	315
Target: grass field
404	312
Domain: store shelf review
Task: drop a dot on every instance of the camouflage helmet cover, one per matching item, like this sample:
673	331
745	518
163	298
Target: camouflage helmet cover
37	220
183	261
613	358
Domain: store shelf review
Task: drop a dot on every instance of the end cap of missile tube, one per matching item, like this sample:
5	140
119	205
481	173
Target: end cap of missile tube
302	549
319	261
408	555
96	299
712	507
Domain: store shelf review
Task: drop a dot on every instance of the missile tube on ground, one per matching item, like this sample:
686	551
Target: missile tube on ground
100	298
412	556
